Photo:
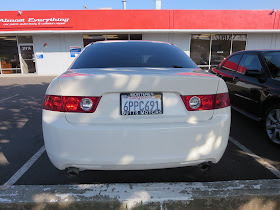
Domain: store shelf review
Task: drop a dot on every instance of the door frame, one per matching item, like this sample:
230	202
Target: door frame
20	58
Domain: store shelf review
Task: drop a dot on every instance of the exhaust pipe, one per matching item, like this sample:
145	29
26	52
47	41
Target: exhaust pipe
204	167
71	171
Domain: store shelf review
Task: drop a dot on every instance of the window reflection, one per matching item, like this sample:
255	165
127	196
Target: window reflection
93	38
117	36
102	37
135	36
238	42
249	61
232	63
273	62
200	48
221	46
25	39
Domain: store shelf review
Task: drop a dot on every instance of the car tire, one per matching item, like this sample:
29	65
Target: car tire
272	123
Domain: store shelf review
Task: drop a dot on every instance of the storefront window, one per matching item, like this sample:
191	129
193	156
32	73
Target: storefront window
25	39
238	42
94	38
135	36
220	45
220	48
116	36
9	58
200	49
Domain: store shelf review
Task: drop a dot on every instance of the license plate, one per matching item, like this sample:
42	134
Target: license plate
141	103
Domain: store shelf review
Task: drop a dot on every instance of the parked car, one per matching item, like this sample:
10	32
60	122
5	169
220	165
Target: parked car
253	80
125	105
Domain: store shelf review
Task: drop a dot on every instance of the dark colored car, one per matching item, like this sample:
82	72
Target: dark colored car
253	80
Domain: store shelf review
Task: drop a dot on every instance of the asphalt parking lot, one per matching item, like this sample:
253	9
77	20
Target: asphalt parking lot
248	156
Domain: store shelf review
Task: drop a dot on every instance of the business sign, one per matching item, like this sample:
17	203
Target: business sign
6	22
90	20
75	51
223	37
26	48
39	55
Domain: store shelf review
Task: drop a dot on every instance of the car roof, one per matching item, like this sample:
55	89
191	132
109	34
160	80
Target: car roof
131	41
257	51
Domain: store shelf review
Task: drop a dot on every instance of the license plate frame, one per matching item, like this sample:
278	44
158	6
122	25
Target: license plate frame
142	95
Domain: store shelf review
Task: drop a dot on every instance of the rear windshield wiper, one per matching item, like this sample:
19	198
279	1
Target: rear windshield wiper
177	66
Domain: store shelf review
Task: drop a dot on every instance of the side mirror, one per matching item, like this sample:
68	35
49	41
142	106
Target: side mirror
253	73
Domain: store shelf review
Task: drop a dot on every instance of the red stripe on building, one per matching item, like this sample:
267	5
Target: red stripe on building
139	19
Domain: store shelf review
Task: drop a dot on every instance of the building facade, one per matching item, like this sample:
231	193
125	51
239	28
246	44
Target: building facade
47	42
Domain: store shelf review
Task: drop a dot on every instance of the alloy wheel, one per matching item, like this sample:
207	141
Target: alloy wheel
273	125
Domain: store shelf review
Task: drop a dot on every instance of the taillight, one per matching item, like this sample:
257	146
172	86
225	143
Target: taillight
71	103
206	102
222	100
53	103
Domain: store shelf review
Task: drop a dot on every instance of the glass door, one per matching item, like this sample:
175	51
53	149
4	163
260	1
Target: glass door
220	49
9	59
27	59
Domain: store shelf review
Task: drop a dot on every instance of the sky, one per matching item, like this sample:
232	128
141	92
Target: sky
6	5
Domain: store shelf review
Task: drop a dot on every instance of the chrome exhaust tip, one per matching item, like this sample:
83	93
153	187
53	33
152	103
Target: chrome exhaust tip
204	167
71	171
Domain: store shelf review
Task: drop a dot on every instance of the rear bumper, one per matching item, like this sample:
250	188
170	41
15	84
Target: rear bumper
134	146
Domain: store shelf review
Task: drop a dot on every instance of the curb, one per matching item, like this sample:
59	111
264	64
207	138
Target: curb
248	194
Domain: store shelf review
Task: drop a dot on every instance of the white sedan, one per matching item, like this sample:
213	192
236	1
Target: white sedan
129	105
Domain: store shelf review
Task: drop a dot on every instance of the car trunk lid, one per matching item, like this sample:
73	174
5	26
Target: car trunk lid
109	83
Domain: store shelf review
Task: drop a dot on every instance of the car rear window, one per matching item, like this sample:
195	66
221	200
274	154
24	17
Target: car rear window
132	54
273	62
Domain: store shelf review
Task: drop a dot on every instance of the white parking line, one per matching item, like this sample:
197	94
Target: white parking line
8	98
25	167
261	161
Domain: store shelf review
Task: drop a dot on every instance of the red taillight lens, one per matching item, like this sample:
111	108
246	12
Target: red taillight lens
68	103
53	103
71	103
207	102
222	100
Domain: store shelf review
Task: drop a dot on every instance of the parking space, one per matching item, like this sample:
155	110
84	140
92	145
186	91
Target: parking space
20	124
233	166
21	137
251	134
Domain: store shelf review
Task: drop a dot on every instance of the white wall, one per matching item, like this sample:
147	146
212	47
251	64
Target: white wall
181	40
57	55
263	41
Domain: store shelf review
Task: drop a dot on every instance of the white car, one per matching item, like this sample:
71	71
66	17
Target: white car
127	105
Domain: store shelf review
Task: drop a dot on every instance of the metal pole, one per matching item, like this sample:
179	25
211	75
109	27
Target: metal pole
124	4
210	54
158	4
